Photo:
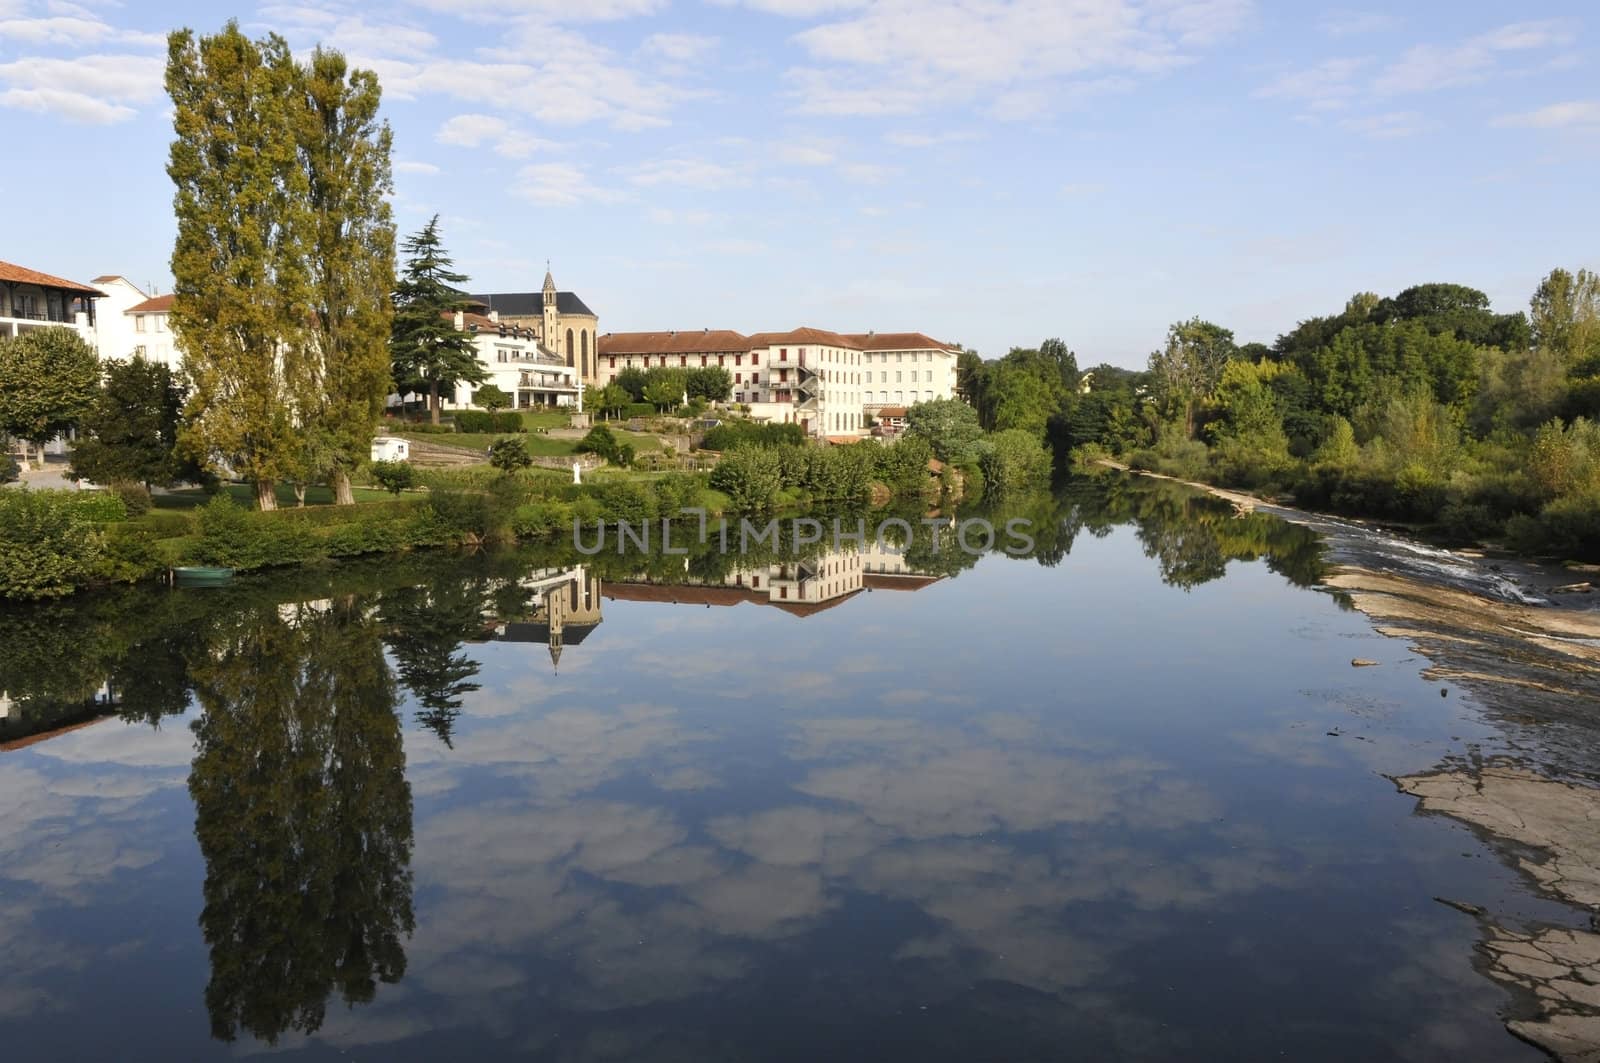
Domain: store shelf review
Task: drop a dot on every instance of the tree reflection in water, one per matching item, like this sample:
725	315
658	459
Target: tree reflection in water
303	814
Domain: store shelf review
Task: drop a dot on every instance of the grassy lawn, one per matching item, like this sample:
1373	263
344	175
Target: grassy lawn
245	495
539	446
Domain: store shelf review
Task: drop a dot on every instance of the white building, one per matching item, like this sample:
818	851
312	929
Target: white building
518	364
32	300
826	381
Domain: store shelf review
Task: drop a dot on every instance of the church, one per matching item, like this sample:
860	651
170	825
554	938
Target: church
561	322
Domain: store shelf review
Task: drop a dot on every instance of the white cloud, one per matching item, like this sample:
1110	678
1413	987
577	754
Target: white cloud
1572	113
1428	67
1356	23
1327	86
679	47
927	140
1389	126
903	56
692	173
804	155
76	30
795	8
545	10
866	173
427	169
352	34
479	130
92	88
559	184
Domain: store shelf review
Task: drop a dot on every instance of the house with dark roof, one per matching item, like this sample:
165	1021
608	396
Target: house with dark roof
560	320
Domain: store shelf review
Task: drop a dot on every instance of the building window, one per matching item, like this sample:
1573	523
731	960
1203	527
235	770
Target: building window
722	359
752	357
613	361
683	359
738	378
783	354
755	378
138	322
738	359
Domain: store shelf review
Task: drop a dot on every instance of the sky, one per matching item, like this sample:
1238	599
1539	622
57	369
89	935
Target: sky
989	172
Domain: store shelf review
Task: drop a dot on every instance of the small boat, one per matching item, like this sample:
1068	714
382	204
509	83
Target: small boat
201	576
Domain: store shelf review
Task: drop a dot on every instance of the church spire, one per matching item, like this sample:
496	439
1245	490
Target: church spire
549	286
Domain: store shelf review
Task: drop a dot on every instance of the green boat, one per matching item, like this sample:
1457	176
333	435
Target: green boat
201	576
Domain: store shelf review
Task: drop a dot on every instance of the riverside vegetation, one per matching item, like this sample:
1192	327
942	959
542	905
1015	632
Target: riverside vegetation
1425	408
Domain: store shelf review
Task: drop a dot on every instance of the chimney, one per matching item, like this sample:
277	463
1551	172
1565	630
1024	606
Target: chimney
461	321
494	315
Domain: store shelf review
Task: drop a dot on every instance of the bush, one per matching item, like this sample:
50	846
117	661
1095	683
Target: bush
481	421
749	476
419	428
509	455
48	546
491	398
602	441
234	537
132	553
165	524
638	409
135	498
1015	459
101	507
394	476
731	434
9	469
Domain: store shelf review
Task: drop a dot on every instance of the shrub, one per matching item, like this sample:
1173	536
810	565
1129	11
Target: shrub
491	398
481	421
394	476
101	507
638	409
602	441
135	498
509	455
9	470
234	537
48	546
1014	459
165	524
749	476
132	553
731	434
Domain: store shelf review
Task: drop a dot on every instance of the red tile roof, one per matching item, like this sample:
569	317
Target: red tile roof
908	581
161	304
19	275
801	336
706	341
898	341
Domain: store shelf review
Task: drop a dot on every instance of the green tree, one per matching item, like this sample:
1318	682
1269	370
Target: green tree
241	292
509	455
48	381
343	375
633	380
394	476
1565	313
427	350
611	399
950	426
663	393
130	434
491	398
1189	366
711	382
1014	459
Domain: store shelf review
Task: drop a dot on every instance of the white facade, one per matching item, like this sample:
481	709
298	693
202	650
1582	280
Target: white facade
389	448
32	300
819	372
517	365
907	376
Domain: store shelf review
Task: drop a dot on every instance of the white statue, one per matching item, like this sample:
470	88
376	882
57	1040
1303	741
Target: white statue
577	473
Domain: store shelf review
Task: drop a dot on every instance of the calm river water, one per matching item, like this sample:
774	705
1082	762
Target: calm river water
1125	798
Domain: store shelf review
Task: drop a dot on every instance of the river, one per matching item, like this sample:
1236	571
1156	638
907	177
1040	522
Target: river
1125	796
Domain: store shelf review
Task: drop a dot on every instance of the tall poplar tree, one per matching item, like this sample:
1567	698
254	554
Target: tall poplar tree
427	350
240	289
343	375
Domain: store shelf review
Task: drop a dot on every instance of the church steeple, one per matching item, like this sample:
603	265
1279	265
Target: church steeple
549	288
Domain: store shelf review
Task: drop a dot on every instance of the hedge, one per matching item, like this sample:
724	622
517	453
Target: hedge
483	421
48	545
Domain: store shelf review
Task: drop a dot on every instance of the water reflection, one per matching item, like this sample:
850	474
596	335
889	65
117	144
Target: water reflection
724	807
303	815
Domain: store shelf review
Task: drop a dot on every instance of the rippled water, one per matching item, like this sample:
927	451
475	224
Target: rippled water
1126	798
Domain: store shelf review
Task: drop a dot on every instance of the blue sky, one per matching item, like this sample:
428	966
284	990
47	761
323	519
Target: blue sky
991	172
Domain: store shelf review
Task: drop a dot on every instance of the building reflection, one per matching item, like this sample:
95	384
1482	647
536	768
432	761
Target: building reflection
562	608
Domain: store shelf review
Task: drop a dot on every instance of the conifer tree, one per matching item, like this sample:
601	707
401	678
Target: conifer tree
427	351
